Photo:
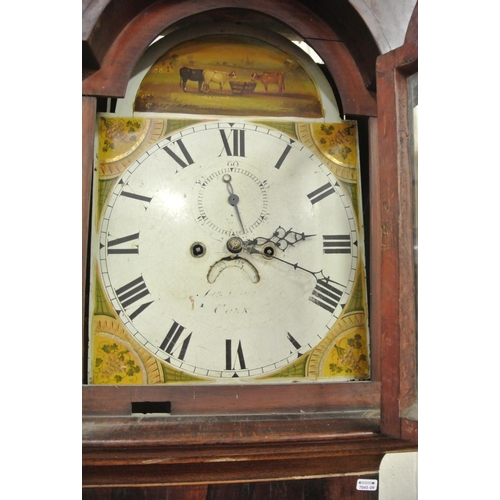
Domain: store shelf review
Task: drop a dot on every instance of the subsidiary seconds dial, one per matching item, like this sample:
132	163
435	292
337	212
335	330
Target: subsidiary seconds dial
221	188
228	250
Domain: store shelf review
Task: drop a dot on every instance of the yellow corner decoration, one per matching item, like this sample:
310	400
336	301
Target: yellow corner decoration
344	352
121	140
348	355
114	363
117	359
337	143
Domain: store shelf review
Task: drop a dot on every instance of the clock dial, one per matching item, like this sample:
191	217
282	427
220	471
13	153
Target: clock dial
228	250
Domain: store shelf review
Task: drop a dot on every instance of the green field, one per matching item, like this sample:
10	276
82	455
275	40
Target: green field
169	97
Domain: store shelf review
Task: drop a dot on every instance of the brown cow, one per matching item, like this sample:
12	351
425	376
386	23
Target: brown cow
267	78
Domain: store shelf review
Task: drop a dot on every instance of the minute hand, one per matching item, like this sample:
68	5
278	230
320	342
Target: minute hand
318	275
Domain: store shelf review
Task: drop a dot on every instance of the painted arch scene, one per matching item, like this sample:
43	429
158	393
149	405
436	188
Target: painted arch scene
228	74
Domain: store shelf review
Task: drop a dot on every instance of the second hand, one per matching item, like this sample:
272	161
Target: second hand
233	199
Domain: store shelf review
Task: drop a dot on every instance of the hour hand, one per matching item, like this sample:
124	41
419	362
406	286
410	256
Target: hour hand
282	238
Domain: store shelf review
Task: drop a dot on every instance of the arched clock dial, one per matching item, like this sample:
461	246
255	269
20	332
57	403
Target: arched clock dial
228	250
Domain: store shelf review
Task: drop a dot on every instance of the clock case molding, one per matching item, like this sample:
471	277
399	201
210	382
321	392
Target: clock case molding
253	433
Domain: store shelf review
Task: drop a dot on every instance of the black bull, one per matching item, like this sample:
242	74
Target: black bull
196	75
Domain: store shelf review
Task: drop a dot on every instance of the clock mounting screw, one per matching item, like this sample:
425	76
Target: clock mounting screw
198	249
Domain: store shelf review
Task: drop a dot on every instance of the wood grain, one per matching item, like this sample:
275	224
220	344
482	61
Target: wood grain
395	280
243	399
331	488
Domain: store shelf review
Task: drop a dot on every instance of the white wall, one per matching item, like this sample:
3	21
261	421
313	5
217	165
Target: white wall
398	476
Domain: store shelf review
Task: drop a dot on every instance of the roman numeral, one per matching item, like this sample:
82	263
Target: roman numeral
321	193
282	157
181	162
125	250
238	142
326	295
336	243
293	341
136	196
239	356
170	341
295	344
132	292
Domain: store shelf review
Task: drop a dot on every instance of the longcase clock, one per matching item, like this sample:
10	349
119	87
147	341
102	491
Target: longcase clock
229	334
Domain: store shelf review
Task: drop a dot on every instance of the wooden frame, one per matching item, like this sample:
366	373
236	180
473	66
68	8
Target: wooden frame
394	264
227	434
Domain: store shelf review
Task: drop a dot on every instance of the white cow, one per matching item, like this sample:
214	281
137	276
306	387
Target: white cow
220	77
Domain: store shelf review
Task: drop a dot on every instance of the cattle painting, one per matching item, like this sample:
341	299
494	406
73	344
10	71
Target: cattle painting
232	75
268	78
195	75
220	77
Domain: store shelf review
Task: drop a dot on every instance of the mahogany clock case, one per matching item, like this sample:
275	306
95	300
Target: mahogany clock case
345	427
259	47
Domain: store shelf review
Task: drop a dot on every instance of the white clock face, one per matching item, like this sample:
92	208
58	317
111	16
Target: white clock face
228	250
